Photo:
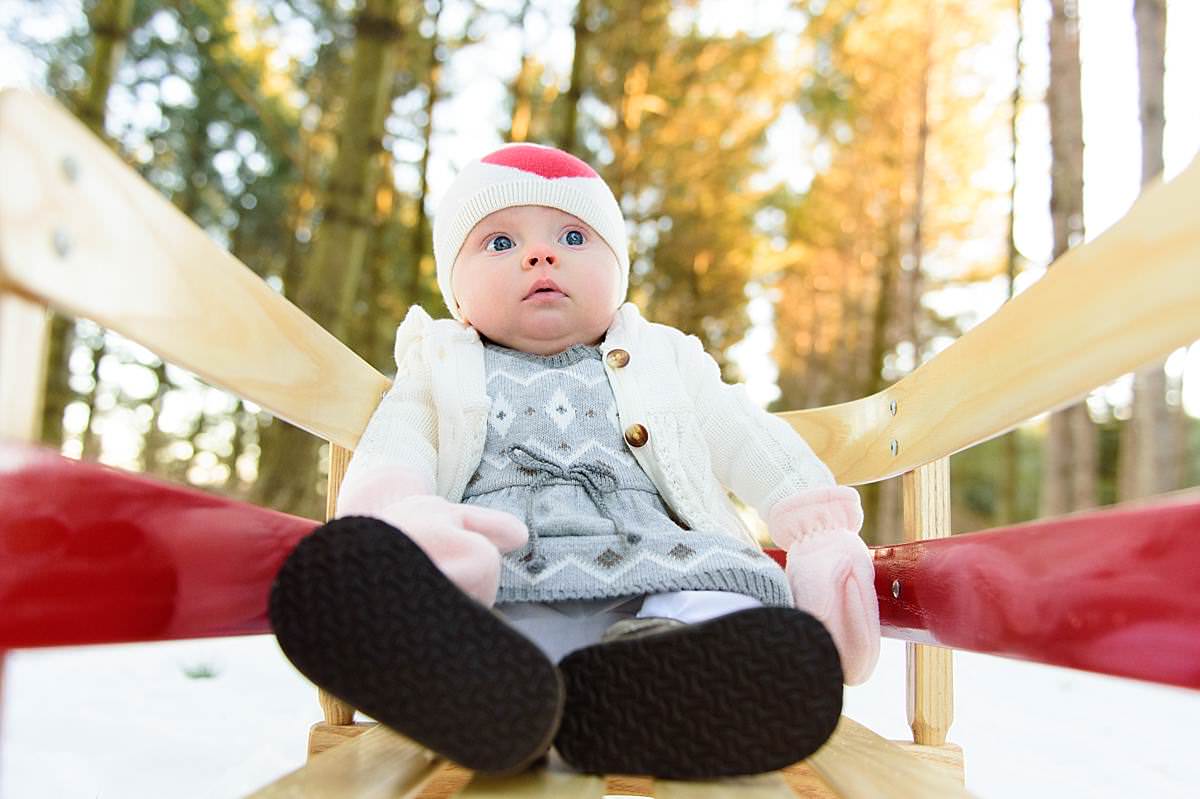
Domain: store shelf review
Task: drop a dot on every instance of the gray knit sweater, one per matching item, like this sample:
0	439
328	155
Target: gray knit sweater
555	458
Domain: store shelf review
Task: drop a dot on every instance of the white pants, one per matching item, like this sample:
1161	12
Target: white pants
559	628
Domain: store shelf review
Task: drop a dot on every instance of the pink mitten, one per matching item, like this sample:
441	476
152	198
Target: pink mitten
830	571
464	541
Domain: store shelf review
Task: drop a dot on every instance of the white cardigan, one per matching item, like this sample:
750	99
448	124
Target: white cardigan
705	436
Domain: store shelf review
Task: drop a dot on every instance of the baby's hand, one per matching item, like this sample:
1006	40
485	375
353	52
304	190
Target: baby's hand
831	571
833	578
429	514
464	541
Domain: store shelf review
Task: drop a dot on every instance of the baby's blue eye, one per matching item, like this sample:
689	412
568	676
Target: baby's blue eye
573	237
500	243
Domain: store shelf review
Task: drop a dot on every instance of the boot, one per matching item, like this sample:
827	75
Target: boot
362	612
744	693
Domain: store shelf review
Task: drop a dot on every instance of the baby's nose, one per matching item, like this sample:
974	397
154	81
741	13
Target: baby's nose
539	255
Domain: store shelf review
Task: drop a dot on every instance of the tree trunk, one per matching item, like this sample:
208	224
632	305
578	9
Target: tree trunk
849	372
569	135
1151	459
92	444
421	260
298	213
288	474
812	359
1185	473
58	392
109	21
1151	19
367	334
187	201
237	446
916	248
1069	476
156	440
881	316
328	285
874	524
885	497
1087	451
522	92
1011	477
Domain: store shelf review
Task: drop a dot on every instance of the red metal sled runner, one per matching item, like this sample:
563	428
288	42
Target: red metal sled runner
97	555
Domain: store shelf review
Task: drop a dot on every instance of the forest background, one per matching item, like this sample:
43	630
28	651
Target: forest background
827	192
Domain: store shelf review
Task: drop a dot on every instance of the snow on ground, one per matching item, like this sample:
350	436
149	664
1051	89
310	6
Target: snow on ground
127	722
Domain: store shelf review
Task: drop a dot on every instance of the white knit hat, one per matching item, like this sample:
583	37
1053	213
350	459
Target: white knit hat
524	174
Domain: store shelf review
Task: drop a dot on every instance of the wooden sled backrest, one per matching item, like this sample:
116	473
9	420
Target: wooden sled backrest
84	234
81	232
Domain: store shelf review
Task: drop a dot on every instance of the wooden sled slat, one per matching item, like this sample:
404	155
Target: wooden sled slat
82	232
23	341
379	764
858	764
762	786
907	769
537	784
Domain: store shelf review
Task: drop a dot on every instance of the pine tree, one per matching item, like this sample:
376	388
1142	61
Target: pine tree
288	468
1069	473
1149	461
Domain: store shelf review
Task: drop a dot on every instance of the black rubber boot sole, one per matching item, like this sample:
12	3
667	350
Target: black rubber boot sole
362	612
745	693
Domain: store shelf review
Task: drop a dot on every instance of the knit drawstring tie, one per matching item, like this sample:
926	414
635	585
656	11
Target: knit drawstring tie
595	477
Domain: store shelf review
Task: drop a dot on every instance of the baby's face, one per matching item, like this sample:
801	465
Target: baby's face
536	279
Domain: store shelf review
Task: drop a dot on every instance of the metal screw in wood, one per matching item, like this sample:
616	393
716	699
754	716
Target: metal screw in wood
70	168
62	243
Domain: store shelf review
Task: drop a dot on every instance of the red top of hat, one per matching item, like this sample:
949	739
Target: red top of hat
545	161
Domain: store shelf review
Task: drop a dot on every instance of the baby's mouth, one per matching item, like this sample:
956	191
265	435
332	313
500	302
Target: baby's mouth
546	289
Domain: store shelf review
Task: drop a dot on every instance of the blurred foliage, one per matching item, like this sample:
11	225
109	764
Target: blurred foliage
236	111
977	478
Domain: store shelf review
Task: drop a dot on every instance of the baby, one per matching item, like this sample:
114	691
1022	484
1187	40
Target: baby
533	543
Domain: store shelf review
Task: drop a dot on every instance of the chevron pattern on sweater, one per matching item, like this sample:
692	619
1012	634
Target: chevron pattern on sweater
525	381
593	566
590	449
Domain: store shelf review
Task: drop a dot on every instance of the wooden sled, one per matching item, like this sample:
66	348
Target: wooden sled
81	233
